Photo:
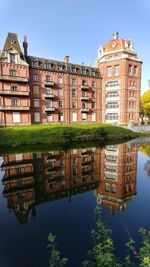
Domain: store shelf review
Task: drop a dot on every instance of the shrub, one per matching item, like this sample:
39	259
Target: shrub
67	136
100	133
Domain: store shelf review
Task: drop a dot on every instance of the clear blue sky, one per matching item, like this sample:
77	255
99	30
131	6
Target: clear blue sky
56	28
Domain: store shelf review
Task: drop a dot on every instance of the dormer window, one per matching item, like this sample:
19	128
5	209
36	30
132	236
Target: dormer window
59	67
74	69
12	58
34	64
47	65
93	73
84	71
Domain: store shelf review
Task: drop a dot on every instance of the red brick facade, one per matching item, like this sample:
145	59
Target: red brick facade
38	90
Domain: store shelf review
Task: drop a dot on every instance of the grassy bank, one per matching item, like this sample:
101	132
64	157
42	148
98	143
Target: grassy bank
62	134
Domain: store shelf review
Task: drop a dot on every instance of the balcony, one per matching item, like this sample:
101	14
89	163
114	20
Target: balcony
49	95
84	98
18	93
84	87
14	108
84	109
13	78
49	83
49	109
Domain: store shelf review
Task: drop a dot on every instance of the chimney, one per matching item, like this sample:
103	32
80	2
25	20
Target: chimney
25	46
66	59
115	35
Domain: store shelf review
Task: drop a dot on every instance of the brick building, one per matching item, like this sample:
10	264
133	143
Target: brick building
40	90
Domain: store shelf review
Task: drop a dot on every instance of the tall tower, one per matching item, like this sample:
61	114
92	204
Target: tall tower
120	69
14	80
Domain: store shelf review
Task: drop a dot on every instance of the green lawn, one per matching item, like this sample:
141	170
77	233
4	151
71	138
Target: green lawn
61	134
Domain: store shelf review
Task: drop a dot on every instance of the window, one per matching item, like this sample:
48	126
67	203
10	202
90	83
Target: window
107	187
60	117
112	94
112	147
93	117
73	82
93	72
135	70
48	78
47	65
74	69
111	176
60	80
35	77
116	70
83	105
60	67
36	116
12	58
15	102
111	157
84	116
93	83
93	104
13	73
48	91
84	71
109	71
19	157
112	116
49	117
34	64
113	189
48	103
36	103
112	105
110	167
74	117
60	92
14	88
73	92
60	103
83	93
129	69
93	94
74	104
16	117
112	84
74	161
35	90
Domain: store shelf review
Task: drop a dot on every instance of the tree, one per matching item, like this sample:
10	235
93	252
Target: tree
145	104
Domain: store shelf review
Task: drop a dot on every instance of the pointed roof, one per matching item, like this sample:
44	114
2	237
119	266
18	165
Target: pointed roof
12	42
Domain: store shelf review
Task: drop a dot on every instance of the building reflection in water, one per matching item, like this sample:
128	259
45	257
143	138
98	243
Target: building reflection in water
33	178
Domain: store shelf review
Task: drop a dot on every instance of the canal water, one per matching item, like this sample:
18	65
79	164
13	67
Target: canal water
57	191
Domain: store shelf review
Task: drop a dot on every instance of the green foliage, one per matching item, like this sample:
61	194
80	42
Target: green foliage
100	133
102	251
67	136
61	134
144	251
145	104
55	259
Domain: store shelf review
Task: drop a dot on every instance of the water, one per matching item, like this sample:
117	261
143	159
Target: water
57	191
